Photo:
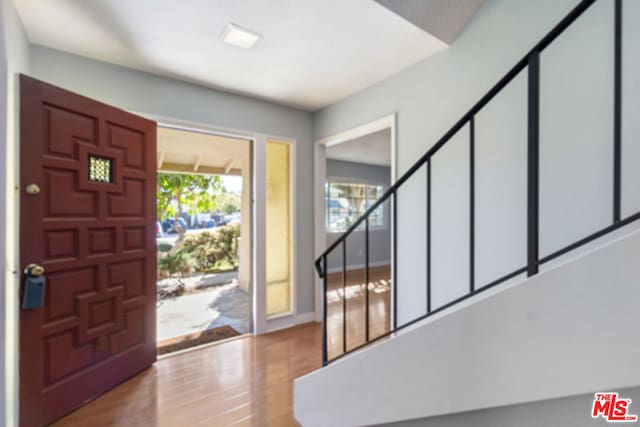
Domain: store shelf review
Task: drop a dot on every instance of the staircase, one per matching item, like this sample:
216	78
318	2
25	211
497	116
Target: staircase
545	276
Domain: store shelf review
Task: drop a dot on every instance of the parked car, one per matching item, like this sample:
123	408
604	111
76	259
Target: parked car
234	218
219	220
168	225
159	229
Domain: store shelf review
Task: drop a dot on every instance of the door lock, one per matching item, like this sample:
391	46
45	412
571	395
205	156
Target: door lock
34	287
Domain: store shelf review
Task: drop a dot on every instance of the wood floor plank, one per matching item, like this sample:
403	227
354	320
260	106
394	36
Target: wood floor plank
246	381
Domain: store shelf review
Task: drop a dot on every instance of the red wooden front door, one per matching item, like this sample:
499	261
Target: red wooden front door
91	226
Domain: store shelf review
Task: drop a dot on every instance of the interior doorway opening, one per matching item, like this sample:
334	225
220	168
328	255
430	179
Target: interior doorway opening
353	170
203	236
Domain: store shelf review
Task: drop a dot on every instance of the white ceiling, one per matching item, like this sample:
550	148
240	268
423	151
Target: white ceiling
372	149
312	52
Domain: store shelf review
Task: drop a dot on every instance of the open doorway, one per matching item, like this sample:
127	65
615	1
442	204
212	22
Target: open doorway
353	170
203	238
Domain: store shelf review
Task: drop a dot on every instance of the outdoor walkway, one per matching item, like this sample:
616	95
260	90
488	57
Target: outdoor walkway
199	310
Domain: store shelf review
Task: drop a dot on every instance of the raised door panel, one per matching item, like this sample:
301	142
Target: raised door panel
92	227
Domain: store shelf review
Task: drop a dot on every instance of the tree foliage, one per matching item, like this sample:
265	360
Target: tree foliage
229	203
193	193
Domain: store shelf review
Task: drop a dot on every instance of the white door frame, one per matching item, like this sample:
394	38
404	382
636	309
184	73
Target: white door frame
261	324
320	177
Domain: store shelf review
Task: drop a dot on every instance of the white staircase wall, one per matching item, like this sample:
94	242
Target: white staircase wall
570	330
573	411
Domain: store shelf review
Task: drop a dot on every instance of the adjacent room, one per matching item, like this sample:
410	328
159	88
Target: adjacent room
358	171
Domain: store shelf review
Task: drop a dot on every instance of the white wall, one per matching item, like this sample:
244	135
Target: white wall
150	94
3	228
450	220
630	97
412	271
576	130
501	183
13	60
564	332
576	138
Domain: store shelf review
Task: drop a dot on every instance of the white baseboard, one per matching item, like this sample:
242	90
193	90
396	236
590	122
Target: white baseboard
359	266
284	322
305	318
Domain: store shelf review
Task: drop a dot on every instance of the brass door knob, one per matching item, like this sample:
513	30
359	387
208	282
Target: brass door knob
32	189
34	270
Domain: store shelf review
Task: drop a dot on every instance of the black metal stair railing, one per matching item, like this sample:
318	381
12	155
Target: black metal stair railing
531	63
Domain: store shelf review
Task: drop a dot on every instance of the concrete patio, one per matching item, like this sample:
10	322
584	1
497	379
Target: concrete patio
209	302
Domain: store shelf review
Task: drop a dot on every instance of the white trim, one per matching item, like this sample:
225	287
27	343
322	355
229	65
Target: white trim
179	124
381	123
188	126
306	318
285	322
259	233
280	322
320	176
320	230
354	267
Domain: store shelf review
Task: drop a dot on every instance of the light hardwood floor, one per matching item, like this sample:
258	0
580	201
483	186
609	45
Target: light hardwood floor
247	381
379	308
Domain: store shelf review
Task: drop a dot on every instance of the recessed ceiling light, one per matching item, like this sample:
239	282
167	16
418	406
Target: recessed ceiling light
239	37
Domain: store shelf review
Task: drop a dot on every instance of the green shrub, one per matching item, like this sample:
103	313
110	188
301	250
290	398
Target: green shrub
215	250
163	248
175	264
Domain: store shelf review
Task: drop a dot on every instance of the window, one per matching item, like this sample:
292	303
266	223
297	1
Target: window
278	241
347	201
100	169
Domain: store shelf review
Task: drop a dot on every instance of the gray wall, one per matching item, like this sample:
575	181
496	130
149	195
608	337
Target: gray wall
379	239
359	172
572	411
151	94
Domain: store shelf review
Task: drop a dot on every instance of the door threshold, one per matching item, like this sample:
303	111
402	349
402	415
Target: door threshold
203	346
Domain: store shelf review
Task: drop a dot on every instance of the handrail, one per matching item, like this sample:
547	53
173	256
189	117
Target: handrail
504	81
531	62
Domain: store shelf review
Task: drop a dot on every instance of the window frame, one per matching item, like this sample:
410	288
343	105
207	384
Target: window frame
355	181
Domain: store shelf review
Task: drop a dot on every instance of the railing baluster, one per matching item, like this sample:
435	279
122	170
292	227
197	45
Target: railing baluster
617	112
394	281
533	163
325	352
344	295
366	279
472	201
429	236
